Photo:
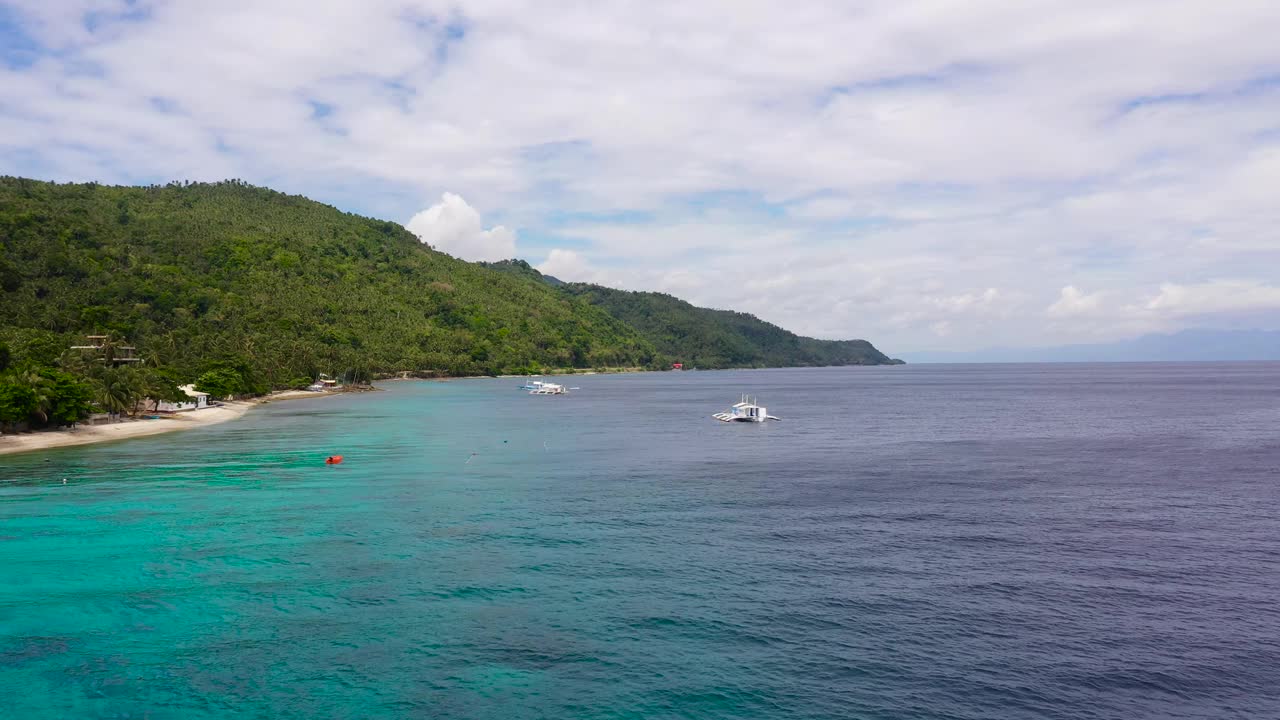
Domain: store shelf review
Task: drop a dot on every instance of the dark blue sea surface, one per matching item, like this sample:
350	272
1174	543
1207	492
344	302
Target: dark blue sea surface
918	542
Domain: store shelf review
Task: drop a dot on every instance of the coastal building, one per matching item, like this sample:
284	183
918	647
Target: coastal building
197	401
109	351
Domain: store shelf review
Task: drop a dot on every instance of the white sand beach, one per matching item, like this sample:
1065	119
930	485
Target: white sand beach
89	434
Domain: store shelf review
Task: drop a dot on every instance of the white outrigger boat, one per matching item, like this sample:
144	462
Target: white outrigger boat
531	384
546	388
746	410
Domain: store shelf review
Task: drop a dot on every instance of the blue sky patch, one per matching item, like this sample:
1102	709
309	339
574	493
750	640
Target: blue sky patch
164	105
563	218
96	19
539	242
18	49
943	76
319	109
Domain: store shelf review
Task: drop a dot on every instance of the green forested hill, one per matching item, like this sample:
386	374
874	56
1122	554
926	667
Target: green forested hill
284	287
243	289
704	338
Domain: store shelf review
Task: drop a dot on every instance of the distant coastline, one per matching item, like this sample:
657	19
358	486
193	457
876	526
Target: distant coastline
356	298
412	375
581	372
128	429
1192	345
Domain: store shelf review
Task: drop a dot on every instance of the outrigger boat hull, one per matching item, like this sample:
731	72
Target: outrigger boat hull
745	410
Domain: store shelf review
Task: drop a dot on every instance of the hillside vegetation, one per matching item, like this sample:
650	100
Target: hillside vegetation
705	338
243	289
196	273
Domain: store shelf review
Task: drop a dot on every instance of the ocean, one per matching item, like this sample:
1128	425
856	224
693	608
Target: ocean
915	542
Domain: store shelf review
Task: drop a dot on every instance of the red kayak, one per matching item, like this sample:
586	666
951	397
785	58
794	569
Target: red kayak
333	460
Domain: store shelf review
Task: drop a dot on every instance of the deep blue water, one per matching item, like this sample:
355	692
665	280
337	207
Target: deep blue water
961	542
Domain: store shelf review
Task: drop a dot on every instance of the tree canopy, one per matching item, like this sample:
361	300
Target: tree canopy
705	338
200	274
241	289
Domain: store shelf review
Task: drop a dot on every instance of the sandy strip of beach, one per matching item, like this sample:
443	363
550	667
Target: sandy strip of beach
90	434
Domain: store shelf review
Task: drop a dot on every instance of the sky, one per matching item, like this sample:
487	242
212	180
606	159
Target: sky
923	174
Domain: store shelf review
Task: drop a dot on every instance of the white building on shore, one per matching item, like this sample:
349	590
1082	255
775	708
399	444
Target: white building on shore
197	401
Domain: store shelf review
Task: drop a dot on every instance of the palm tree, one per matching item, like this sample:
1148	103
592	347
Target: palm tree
76	363
108	348
42	393
115	391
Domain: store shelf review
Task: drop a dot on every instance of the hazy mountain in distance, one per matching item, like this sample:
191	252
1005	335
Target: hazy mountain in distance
704	337
1187	345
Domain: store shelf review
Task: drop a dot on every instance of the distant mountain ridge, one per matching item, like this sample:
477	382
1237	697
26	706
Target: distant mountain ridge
1190	345
706	338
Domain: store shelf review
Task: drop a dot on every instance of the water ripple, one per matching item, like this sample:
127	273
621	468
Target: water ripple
1064	542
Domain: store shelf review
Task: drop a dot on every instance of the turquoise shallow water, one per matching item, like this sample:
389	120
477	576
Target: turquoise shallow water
946	542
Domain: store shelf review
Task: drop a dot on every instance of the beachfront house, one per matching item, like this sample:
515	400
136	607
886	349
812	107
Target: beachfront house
197	400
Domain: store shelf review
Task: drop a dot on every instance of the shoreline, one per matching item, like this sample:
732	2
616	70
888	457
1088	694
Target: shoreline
129	429
562	373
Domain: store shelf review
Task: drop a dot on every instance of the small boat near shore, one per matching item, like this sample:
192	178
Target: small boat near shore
546	388
745	410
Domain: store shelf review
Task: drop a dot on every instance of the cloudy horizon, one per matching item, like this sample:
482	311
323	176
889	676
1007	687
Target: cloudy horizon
925	175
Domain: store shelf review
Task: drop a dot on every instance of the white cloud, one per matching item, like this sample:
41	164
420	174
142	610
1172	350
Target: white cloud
825	208
567	265
1072	302
453	226
1220	296
872	168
